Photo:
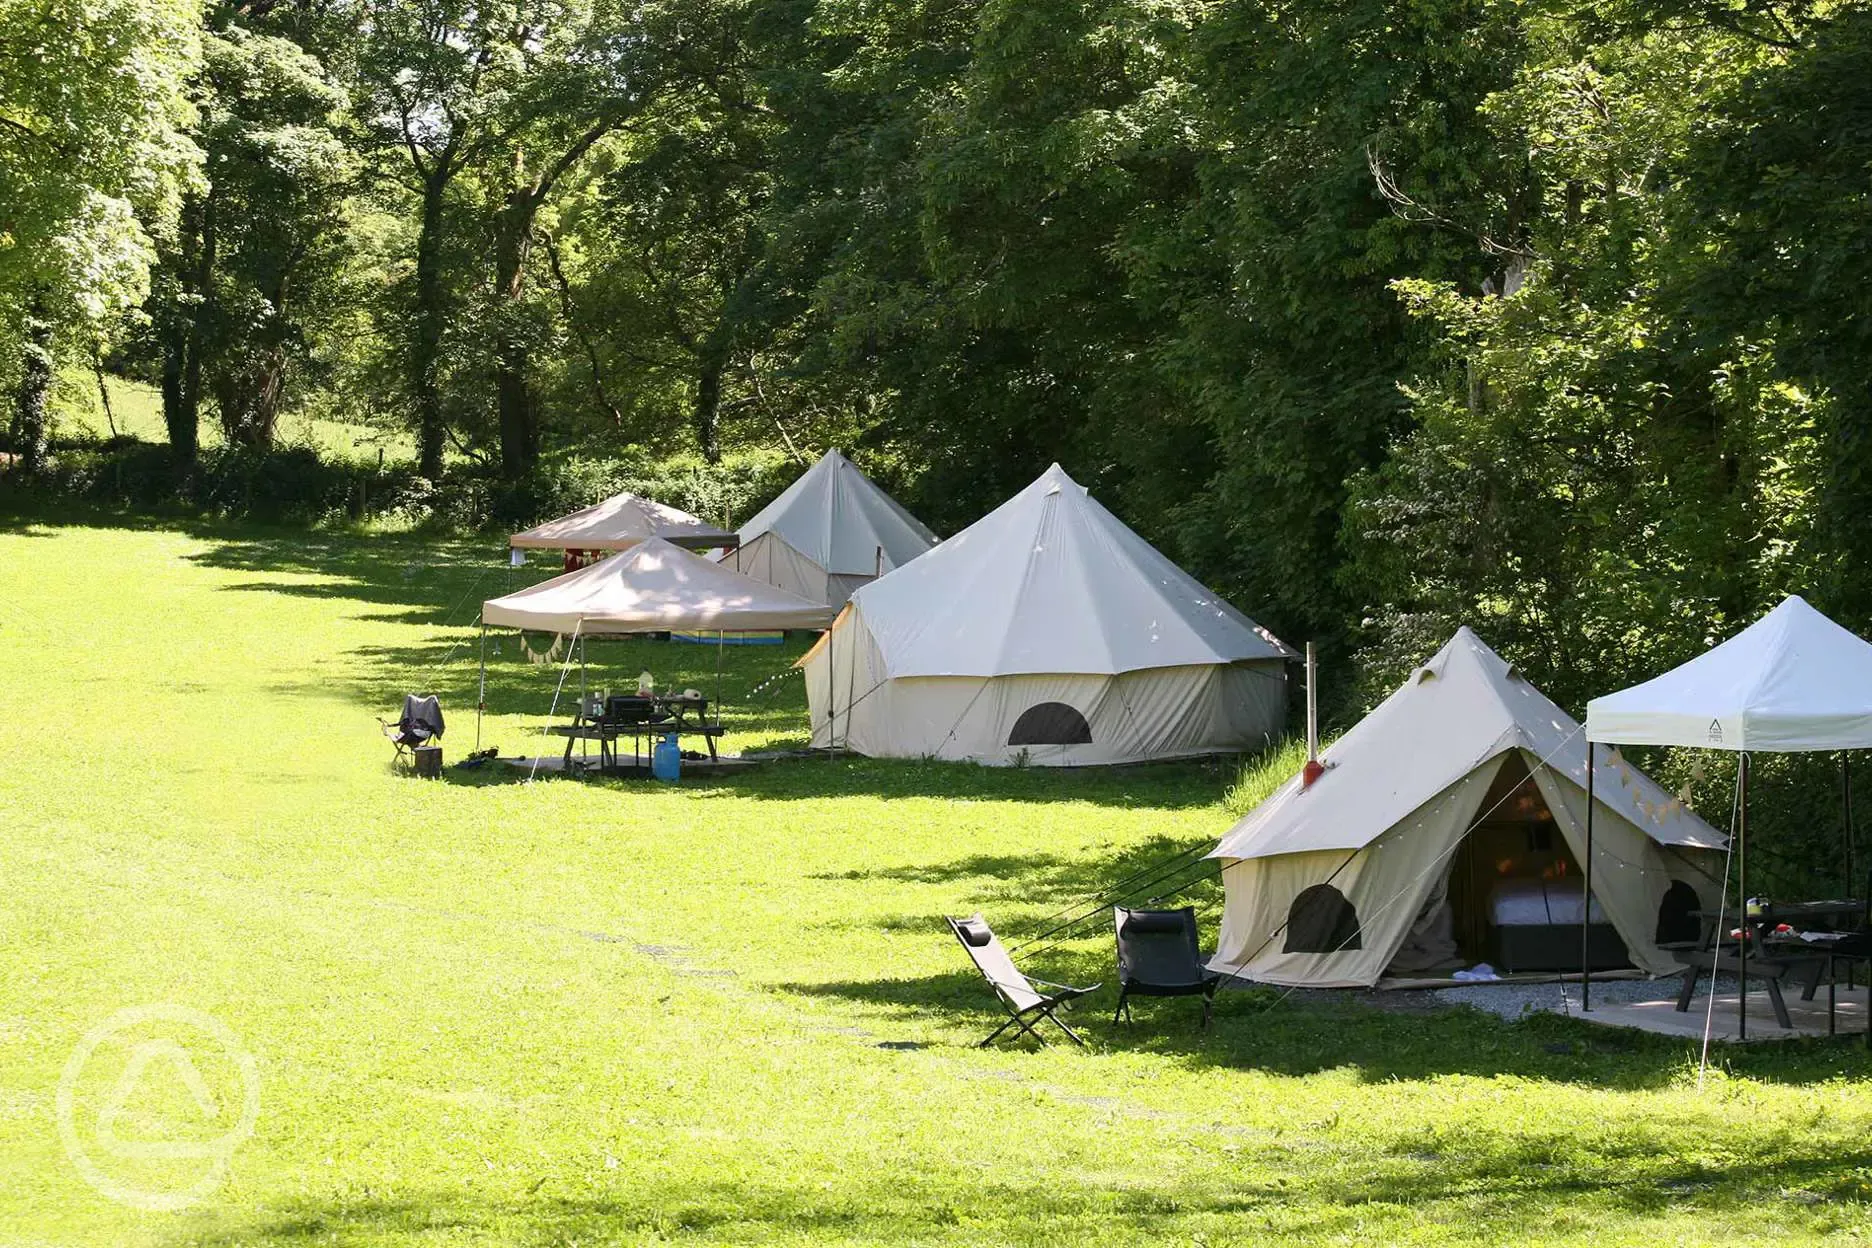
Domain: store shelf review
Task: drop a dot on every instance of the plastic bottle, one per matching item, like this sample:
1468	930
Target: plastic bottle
646	684
666	759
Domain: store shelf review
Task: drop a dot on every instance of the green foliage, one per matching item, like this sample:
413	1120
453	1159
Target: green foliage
93	150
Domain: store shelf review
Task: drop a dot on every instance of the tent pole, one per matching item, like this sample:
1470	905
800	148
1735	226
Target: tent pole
1585	940
831	697
721	643
1742	888
1846	824
1846	819
481	697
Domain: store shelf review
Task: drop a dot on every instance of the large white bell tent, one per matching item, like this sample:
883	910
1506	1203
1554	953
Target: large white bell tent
1045	632
828	533
1448	827
618	523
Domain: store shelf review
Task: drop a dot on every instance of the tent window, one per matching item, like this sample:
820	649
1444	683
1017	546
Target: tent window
1050	723
1677	921
1321	920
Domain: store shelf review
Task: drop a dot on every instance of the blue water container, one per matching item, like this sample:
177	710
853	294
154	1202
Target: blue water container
666	759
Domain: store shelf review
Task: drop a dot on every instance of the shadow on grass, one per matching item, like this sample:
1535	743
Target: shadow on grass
1266	1030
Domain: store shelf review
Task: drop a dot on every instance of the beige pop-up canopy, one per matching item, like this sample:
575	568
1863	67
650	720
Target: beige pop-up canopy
1465	788
828	533
654	586
618	523
1045	632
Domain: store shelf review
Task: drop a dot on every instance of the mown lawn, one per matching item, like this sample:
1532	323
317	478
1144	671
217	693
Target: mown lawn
488	1012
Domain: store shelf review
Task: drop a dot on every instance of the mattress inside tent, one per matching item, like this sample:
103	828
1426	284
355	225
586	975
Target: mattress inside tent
1535	925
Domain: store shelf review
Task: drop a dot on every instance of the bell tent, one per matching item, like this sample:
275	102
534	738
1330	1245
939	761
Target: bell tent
1448	827
1045	632
828	533
618	523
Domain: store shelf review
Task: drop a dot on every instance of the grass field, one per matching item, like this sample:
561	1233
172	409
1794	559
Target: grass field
489	1012
136	411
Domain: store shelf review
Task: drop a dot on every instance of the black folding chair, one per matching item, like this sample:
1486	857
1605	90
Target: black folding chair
420	724
1158	956
1016	992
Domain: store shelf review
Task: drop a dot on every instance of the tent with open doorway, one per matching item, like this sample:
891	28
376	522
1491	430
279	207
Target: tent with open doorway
618	523
828	533
1045	632
1448	828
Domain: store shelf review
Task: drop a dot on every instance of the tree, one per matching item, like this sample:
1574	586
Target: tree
672	245
94	156
429	74
262	241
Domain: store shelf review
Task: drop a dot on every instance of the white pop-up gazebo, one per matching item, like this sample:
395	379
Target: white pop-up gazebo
655	586
1792	682
828	533
618	523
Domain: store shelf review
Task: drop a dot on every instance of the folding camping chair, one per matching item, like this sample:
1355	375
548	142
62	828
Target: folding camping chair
1158	956
1014	990
420	724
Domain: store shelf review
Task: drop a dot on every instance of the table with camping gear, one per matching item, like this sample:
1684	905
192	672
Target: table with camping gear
1788	940
607	719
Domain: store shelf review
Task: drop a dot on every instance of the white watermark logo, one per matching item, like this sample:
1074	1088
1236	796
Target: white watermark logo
153	1103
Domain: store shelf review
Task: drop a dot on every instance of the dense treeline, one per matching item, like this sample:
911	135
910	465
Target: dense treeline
1547	317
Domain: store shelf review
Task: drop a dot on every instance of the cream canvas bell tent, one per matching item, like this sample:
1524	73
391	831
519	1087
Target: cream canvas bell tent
618	523
828	533
1046	632
1448	829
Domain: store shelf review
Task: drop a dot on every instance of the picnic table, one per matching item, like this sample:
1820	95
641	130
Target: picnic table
1777	956
637	716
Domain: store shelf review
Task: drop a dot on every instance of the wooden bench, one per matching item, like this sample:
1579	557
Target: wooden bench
1771	969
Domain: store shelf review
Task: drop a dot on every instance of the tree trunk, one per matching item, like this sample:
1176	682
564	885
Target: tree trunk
182	342
426	350
249	391
35	387
708	403
519	420
180	412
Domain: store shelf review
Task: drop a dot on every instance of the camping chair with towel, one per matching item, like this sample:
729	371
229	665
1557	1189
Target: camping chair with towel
1025	1005
420	724
1158	956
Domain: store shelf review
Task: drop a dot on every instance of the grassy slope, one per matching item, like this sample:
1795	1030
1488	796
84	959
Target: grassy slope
494	1013
136	410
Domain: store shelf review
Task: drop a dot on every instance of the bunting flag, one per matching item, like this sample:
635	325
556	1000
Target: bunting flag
540	658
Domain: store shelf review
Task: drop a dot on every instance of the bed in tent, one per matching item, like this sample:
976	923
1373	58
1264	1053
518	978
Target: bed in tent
1447	829
1047	633
828	533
